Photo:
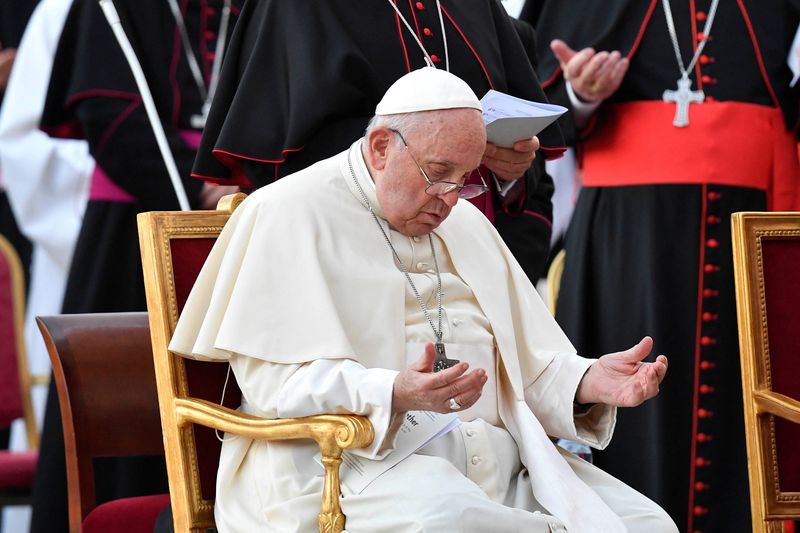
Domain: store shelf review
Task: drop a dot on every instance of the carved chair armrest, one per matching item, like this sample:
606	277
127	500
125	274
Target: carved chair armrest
778	404
333	433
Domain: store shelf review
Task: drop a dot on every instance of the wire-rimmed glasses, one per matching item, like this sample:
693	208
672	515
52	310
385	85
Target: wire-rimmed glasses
440	188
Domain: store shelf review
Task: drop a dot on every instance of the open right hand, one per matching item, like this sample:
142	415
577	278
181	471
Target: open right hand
594	76
417	388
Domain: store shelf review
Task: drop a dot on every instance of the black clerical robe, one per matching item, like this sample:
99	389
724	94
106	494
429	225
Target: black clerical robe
649	247
303	78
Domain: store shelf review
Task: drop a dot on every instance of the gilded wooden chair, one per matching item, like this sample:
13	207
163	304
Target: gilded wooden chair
766	248
16	467
174	246
554	274
103	370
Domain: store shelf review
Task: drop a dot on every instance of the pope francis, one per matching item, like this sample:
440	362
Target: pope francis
362	285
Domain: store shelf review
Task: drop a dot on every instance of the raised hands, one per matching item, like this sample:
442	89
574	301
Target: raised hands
417	388
594	76
622	379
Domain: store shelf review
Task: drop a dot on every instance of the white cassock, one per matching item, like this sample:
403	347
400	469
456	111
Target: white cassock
302	295
46	180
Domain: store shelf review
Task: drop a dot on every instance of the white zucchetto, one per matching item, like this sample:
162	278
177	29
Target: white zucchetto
427	89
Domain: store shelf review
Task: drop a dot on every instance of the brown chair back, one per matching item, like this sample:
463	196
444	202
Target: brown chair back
766	249
103	369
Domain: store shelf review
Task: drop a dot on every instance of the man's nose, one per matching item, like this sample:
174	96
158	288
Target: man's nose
450	198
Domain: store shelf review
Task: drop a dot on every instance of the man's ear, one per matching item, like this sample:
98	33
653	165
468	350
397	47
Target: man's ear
377	145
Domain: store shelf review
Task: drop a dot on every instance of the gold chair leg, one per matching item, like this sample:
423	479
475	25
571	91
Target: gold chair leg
331	519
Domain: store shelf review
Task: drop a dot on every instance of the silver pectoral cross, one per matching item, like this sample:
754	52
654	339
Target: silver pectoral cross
683	97
442	362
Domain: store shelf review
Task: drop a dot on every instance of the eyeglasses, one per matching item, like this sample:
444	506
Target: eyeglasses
440	188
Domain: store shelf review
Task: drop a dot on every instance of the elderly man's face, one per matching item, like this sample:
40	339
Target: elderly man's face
448	147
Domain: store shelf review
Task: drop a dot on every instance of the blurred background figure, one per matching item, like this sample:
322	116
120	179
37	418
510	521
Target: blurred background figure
650	237
92	96
14	14
46	181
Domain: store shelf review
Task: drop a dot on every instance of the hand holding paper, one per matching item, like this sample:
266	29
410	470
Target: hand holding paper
509	119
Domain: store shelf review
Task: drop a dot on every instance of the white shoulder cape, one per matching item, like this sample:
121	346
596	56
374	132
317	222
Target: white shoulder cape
301	272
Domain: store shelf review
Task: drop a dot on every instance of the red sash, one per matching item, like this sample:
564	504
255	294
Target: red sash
726	143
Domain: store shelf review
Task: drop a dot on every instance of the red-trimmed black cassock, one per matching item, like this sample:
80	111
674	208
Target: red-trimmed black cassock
302	79
649	247
93	96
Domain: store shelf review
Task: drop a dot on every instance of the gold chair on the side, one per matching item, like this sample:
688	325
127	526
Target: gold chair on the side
766	258
174	246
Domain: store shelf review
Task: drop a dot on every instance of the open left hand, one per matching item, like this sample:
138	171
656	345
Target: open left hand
510	163
622	379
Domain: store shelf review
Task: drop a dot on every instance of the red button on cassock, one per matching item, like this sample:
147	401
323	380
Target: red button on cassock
700	486
698	510
420	6
427	32
710	268
703	437
714	195
712	243
701	16
435	58
706	389
705	60
706	365
711	219
707	341
704	413
702	462
710	293
709	317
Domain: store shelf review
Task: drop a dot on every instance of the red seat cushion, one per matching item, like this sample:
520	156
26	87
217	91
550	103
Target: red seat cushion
17	469
132	515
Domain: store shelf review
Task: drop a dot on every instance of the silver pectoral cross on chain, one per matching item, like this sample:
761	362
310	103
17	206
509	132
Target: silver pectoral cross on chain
442	362
682	98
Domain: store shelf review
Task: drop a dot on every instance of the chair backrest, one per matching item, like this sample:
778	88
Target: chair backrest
103	369
15	379
766	249
174	247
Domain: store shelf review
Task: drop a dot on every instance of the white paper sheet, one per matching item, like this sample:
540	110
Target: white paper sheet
510	119
418	429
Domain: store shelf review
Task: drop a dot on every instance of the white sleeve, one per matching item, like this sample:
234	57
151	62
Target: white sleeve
581	110
46	179
325	386
552	399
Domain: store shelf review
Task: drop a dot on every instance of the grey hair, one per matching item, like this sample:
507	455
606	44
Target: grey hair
402	122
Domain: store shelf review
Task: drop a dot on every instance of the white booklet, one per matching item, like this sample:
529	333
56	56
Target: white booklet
510	119
418	429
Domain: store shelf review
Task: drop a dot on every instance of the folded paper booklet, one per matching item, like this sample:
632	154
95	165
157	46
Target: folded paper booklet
418	429
510	119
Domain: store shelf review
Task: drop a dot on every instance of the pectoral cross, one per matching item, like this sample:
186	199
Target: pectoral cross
683	97
442	362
